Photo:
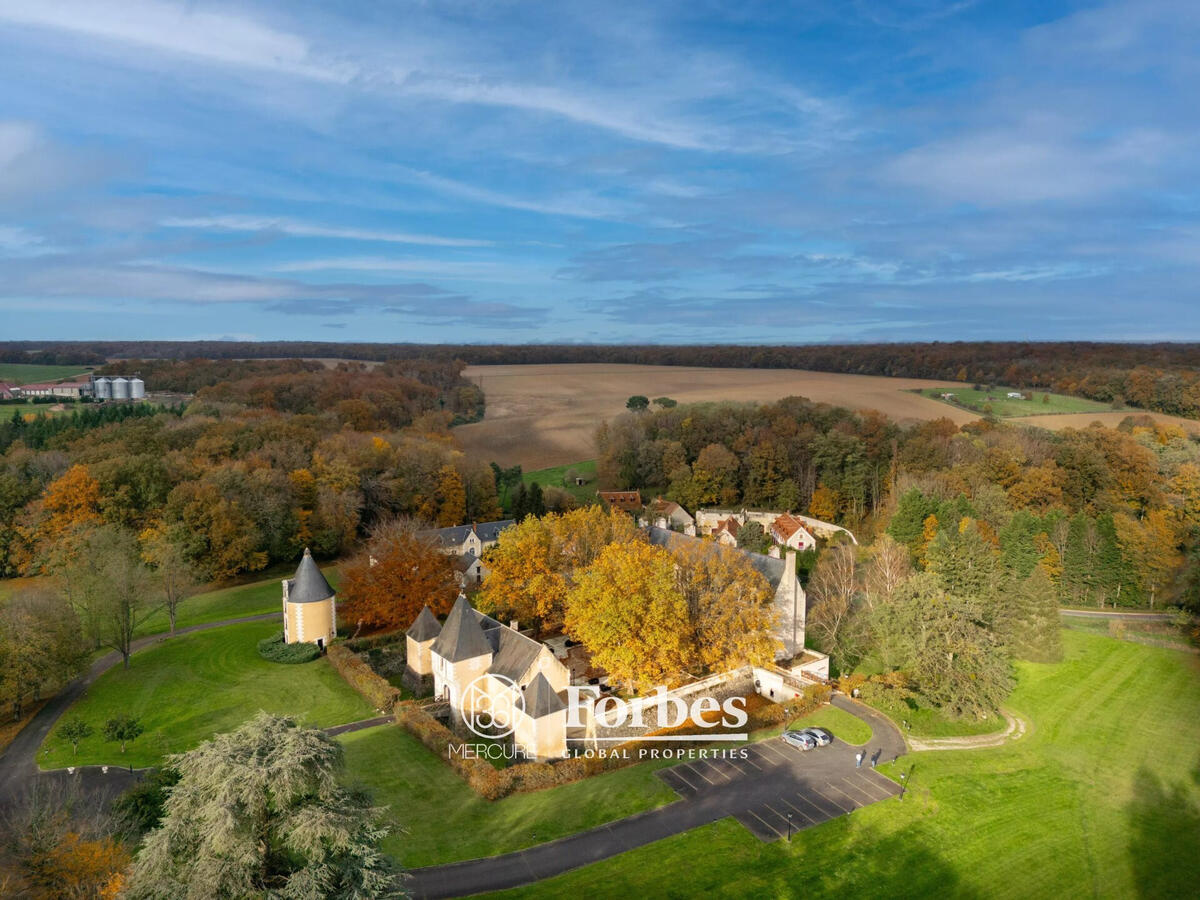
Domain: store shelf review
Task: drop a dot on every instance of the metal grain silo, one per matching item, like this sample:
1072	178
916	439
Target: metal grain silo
120	388
137	388
103	386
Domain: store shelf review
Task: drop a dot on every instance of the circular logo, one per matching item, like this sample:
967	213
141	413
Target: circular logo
490	704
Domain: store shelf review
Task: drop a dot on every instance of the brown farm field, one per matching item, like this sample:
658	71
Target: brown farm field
546	415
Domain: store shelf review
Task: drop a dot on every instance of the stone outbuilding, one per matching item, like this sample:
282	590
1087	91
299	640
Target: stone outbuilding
309	606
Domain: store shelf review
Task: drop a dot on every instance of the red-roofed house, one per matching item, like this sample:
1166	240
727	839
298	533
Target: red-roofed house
626	501
725	532
790	532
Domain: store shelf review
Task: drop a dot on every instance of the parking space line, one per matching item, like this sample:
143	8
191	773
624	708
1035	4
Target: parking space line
714	768
854	803
723	765
821	815
872	787
694	771
846	784
830	800
807	817
884	783
750	762
774	754
679	783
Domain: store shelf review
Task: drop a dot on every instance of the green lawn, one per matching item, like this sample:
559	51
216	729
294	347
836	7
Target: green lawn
848	728
194	686
1001	406
446	821
925	721
1101	799
23	373
553	477
251	599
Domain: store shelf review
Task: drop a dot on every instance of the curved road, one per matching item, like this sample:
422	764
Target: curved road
1116	614
18	762
732	791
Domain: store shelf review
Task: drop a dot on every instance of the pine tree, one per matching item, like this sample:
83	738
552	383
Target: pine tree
1019	552
907	524
1078	562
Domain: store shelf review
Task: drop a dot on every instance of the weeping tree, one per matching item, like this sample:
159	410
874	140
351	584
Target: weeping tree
261	812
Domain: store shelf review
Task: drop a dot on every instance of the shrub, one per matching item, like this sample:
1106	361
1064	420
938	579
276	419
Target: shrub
273	649
375	641
374	689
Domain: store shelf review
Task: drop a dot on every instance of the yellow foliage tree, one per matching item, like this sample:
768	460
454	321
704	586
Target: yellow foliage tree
729	605
826	503
929	530
628	609
526	577
451	498
70	505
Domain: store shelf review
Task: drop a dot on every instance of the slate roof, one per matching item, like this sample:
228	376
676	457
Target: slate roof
308	585
461	636
455	535
515	653
769	567
541	699
425	626
464	562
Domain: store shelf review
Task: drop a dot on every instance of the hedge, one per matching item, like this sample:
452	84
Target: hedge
374	689
273	649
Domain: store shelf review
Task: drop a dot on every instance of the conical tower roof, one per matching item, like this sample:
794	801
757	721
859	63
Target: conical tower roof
308	585
462	636
424	627
541	699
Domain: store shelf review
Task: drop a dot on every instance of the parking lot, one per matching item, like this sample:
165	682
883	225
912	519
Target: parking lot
776	789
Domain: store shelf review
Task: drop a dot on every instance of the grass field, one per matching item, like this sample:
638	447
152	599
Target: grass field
844	726
1003	407
1101	799
21	373
194	686
446	821
249	599
553	477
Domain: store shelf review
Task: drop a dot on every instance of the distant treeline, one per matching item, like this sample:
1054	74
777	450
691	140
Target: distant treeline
1164	377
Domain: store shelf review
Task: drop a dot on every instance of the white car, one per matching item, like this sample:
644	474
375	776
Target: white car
801	740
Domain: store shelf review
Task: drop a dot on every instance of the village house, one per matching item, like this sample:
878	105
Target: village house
707	519
309	606
789	598
625	501
788	531
473	538
725	532
669	514
489	672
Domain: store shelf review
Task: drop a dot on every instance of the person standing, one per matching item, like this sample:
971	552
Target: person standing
858	759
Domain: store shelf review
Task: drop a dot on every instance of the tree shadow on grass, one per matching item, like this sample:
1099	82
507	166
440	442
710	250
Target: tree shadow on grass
1164	826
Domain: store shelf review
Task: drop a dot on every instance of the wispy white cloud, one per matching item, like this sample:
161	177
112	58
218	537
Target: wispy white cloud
443	269
295	228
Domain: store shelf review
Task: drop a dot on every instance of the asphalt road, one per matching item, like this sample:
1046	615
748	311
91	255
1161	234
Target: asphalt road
759	790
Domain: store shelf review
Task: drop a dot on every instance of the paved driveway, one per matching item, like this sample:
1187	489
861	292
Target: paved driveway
759	790
777	789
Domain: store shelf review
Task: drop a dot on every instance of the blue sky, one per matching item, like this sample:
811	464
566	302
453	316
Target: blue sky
698	171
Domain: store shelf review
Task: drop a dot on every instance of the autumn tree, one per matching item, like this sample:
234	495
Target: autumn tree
825	504
262	811
451	497
730	608
219	538
111	588
69	506
400	571
40	647
175	572
628	610
526	577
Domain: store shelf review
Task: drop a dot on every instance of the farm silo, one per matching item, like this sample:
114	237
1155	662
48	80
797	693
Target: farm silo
137	388
103	388
120	388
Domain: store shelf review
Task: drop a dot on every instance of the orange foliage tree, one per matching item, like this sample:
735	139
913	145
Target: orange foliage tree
385	587
70	504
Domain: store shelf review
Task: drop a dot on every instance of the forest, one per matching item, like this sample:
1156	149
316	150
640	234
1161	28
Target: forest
1160	377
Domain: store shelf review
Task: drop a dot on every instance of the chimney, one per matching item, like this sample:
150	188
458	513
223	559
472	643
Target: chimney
513	625
789	576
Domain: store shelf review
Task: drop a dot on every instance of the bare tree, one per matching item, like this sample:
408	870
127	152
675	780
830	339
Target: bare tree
889	568
834	586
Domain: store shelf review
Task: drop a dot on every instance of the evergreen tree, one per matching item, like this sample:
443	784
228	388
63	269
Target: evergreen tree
964	563
908	523
519	502
1019	552
1029	624
535	501
1108	574
261	812
1078	574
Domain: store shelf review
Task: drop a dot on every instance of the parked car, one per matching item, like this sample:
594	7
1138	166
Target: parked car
820	735
800	740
